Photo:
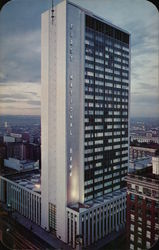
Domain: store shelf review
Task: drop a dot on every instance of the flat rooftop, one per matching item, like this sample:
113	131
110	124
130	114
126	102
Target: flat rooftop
28	179
139	163
145	172
79	207
144	176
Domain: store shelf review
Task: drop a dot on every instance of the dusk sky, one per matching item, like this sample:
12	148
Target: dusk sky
20	52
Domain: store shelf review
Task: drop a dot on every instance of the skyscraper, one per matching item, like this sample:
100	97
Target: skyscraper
85	114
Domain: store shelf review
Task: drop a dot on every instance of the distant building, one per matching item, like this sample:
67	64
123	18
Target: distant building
33	151
26	136
139	163
1	139
8	138
143	207
3	154
6	124
23	151
7	127
19	165
142	138
142	151
16	150
12	138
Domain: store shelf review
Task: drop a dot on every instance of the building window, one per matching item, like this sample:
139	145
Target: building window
52	217
132	237
131	246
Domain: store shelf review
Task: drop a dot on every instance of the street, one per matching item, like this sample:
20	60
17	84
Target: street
15	236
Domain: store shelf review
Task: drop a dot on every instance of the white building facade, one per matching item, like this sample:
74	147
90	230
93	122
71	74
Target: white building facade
155	164
85	114
21	199
97	220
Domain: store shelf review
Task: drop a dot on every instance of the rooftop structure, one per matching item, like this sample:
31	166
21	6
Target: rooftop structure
143	138
140	163
19	165
139	151
28	179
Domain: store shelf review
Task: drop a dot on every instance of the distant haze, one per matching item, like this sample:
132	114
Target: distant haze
20	52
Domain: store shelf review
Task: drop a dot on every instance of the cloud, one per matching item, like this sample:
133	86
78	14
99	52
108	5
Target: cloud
145	86
34	102
24	96
13	96
145	99
20	55
7	100
33	93
20	50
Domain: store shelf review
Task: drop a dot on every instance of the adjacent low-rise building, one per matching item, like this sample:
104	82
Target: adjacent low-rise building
22	193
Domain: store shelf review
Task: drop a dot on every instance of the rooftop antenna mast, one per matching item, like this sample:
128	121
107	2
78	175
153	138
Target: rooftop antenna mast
52	11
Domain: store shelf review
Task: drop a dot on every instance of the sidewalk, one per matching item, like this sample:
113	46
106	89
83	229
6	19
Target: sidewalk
41	233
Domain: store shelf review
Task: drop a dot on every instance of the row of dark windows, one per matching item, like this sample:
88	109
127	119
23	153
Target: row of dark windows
106	82
93	176
124	59
95	192
104	28
90	51
109	65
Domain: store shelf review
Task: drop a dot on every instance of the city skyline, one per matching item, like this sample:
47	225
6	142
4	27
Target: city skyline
20	87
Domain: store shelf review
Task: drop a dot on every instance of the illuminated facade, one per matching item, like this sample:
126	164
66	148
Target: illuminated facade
85	114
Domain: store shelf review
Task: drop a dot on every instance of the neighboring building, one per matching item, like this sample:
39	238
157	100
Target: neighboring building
146	139
22	193
8	138
33	151
16	150
3	154
139	163
85	114
143	207
26	136
12	138
140	151
1	139
23	151
18	164
155	162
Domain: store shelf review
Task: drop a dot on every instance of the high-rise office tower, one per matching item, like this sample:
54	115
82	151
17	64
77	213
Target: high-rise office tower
85	113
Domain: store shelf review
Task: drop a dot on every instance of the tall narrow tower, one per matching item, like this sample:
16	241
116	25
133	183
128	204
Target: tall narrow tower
85	114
